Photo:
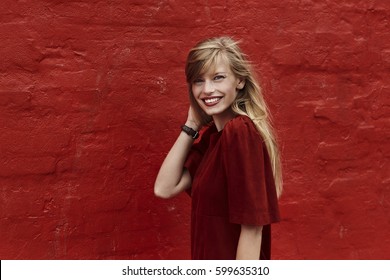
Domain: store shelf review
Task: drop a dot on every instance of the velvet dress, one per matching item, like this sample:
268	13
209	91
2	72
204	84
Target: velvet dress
232	184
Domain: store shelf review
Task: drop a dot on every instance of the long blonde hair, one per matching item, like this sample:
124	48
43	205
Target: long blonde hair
249	101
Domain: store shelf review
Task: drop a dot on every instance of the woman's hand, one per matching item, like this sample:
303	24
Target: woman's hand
192	120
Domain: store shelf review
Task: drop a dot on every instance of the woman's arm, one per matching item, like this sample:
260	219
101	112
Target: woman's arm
172	177
249	243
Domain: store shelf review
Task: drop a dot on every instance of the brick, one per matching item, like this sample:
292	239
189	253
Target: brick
372	134
18	55
287	55
35	142
343	151
27	166
340	187
66	102
336	115
385	57
20	100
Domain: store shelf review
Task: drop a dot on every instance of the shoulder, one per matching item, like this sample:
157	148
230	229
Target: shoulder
241	127
238	121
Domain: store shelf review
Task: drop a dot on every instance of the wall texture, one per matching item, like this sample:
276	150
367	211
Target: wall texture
92	95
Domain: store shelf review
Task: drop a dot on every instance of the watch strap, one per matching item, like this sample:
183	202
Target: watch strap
191	132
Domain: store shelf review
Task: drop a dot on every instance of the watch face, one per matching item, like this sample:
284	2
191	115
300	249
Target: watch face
196	135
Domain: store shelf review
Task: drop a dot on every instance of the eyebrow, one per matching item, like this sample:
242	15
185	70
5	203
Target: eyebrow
216	73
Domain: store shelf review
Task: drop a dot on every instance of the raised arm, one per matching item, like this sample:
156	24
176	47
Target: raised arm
173	178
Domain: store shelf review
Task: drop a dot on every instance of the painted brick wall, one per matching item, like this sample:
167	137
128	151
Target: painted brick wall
92	94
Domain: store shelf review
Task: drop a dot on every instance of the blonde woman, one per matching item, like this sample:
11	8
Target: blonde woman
233	171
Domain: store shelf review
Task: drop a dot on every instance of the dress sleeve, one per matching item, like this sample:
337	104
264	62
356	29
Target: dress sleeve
194	158
196	153
251	189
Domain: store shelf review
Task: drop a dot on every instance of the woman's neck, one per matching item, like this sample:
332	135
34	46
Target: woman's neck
221	119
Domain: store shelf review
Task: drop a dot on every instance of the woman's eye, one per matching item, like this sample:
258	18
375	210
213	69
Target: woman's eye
219	77
198	81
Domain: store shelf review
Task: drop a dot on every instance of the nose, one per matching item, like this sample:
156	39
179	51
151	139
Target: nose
208	87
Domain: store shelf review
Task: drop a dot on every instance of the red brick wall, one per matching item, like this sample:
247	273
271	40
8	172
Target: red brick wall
92	95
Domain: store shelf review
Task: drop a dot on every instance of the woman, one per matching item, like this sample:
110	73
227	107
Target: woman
233	173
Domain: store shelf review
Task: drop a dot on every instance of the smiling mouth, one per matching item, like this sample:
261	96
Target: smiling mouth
211	101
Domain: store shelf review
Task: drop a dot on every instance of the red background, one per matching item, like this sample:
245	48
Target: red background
92	95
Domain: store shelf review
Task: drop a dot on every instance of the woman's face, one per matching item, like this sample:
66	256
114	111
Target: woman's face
216	89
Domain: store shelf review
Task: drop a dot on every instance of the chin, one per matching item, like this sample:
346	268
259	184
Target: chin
214	112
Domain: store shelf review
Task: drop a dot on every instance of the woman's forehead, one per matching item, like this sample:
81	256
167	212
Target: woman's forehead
218	65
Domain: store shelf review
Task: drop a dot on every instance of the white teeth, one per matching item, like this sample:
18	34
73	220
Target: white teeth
211	100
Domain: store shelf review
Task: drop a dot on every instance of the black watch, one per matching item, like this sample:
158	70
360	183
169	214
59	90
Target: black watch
193	133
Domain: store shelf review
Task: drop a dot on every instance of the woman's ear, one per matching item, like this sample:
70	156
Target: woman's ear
241	84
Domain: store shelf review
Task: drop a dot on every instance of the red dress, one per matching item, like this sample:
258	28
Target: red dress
232	184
